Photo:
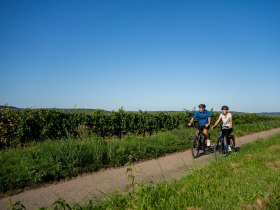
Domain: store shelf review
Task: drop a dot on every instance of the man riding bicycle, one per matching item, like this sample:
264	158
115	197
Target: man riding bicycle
204	120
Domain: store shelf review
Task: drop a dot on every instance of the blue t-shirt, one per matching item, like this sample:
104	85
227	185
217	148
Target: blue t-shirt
202	117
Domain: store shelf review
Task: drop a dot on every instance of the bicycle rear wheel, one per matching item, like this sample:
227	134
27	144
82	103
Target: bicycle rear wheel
195	147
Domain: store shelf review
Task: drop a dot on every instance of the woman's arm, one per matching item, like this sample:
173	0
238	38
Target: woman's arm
230	123
217	122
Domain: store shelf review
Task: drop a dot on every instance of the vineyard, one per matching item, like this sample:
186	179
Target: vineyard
21	127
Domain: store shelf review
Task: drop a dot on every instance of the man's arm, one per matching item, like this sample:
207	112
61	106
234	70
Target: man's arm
194	117
191	122
209	122
230	124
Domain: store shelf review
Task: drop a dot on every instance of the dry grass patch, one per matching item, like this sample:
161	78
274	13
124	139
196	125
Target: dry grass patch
274	148
273	164
235	165
260	205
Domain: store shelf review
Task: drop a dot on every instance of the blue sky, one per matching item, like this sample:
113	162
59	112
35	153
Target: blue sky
140	54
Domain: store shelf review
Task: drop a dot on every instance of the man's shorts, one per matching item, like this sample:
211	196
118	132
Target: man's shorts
201	128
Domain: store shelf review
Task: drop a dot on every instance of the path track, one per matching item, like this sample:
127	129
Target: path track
84	187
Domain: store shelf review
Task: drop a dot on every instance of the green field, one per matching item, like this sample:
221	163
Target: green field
49	161
247	180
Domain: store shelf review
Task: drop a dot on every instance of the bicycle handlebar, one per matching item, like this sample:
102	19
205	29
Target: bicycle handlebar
223	127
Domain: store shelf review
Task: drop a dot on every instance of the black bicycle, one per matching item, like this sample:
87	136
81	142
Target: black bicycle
198	144
222	144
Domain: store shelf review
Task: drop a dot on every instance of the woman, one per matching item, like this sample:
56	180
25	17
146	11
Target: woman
226	117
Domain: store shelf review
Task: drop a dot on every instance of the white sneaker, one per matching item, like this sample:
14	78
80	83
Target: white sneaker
229	148
208	141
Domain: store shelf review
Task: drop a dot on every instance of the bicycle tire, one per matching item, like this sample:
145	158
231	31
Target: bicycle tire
195	147
232	143
218	149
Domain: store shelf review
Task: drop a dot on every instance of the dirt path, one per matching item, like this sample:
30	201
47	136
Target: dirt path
83	188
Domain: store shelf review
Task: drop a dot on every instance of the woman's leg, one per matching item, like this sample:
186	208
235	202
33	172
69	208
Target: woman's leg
228	132
224	132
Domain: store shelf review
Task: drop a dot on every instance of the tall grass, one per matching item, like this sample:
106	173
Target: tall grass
55	160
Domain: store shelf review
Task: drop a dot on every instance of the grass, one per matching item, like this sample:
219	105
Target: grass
247	180
51	161
56	160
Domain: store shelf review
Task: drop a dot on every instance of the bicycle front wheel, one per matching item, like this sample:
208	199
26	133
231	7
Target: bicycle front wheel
195	147
218	149
232	143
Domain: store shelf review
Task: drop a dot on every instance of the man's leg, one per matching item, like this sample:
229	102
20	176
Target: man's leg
206	137
205	133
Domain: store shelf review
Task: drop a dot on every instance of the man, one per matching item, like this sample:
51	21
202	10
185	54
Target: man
204	120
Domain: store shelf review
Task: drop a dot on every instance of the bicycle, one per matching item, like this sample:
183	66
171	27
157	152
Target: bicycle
222	143
199	144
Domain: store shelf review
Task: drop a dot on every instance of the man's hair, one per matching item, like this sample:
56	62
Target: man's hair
202	105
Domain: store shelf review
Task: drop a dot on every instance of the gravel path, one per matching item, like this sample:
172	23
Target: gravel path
85	187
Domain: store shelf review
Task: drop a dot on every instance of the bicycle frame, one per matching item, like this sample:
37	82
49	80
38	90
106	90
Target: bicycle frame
199	134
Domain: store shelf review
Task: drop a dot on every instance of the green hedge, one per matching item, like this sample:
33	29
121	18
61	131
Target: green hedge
21	127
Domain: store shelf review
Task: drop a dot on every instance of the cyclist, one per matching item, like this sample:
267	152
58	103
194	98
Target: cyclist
226	117
204	120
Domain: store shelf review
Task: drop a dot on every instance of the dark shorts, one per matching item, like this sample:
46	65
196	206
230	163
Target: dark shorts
201	128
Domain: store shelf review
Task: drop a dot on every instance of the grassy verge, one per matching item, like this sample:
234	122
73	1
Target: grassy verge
247	180
55	160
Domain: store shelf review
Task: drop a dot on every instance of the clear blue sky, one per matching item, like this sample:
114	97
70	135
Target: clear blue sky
140	54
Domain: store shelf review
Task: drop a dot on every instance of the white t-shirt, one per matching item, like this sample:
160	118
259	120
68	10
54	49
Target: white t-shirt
226	119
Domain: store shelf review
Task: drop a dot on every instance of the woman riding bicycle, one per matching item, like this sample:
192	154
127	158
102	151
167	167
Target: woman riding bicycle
226	117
